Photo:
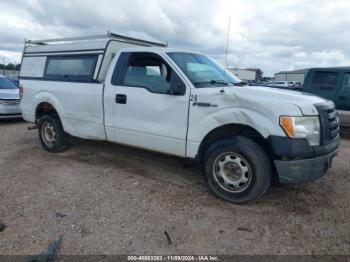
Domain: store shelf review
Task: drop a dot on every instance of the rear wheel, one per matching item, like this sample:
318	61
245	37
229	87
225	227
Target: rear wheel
51	134
237	170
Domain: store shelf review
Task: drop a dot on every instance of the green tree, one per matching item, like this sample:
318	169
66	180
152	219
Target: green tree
10	66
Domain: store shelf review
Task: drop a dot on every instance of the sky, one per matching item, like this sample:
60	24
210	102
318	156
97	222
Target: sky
273	35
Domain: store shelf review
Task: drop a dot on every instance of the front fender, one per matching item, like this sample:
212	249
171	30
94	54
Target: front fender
243	116
264	125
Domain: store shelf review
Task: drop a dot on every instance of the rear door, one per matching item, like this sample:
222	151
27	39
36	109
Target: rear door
324	84
343	94
343	100
145	113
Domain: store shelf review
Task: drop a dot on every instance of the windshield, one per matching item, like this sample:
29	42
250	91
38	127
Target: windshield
203	71
5	83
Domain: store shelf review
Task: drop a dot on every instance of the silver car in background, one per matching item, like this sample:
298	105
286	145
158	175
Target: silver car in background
9	99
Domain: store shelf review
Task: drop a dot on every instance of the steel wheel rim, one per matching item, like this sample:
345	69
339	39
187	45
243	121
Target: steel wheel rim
48	134
232	172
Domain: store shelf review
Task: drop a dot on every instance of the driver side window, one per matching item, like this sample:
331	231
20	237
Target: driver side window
145	70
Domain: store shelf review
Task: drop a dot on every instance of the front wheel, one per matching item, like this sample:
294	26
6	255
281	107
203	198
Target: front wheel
51	134
237	170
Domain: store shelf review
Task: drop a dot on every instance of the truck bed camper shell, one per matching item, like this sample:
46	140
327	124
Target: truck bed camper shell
104	47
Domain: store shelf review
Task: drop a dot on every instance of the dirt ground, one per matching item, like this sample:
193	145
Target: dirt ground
102	198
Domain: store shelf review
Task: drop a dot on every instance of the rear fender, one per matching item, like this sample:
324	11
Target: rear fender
47	97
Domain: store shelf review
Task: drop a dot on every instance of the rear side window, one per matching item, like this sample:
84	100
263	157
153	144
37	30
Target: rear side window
346	82
71	68
326	81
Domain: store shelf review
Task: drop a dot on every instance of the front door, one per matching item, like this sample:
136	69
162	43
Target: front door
147	113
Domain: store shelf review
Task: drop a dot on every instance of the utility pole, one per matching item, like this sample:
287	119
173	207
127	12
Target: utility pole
227	42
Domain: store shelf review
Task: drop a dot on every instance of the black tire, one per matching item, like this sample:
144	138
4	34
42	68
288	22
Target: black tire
254	159
60	141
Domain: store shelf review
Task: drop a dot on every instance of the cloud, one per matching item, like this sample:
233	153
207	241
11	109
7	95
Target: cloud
274	35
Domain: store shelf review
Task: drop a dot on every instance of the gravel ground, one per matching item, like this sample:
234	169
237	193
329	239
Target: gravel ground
102	198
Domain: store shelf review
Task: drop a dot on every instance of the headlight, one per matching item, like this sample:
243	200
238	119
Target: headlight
302	127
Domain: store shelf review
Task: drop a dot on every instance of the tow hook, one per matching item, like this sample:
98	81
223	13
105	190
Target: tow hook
29	128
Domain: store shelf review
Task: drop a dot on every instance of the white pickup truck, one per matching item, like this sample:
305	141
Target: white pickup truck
144	94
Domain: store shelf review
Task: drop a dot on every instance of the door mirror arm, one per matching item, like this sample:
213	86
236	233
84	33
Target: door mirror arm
177	87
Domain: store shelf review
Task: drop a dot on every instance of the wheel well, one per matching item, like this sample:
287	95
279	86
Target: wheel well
227	131
42	109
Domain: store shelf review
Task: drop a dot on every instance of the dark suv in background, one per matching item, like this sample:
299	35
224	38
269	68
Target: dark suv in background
333	84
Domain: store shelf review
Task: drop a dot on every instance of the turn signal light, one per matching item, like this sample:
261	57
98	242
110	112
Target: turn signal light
287	124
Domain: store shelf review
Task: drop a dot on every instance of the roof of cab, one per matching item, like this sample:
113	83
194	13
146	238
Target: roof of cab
159	50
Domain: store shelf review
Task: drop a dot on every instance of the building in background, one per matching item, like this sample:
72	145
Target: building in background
244	74
296	75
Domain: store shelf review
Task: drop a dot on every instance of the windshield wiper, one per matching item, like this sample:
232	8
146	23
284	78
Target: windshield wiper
239	84
213	82
221	82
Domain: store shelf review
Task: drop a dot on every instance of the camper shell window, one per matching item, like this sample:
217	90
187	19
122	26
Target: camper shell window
71	68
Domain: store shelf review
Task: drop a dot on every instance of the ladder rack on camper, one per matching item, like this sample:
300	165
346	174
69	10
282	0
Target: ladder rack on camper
109	35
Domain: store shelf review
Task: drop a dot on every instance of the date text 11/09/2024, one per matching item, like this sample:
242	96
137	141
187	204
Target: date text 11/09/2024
173	258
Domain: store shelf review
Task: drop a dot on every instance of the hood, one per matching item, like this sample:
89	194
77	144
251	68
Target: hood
304	101
9	93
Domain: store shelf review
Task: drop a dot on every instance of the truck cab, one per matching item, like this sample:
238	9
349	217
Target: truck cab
146	95
332	84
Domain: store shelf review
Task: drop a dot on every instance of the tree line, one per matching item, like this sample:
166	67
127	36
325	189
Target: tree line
10	66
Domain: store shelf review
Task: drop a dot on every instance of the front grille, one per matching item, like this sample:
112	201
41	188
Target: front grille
9	102
329	123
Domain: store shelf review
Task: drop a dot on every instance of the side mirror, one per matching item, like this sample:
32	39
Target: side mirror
177	87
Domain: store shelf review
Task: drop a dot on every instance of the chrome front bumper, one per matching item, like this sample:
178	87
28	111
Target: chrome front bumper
344	117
